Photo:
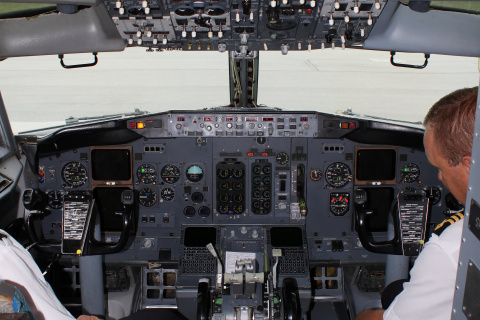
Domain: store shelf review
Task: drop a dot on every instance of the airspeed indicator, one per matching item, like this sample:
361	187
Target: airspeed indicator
74	174
338	174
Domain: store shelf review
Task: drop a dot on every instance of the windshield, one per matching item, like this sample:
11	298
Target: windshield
39	93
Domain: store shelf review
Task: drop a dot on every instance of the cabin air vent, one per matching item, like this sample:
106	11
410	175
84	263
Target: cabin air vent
4	182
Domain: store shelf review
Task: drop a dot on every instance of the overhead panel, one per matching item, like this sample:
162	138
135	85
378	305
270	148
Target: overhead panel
244	26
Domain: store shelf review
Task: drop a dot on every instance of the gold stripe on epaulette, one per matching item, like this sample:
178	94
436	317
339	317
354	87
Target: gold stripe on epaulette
451	220
441	224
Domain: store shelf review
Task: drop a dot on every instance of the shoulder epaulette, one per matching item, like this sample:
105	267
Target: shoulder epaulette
448	222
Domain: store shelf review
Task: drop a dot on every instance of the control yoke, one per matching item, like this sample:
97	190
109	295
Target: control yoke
35	201
410	216
291	300
78	223
95	246
203	299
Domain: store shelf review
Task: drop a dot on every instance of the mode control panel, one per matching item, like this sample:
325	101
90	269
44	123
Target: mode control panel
243	125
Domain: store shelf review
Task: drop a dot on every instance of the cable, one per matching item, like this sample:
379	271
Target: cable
275	273
214	253
57	257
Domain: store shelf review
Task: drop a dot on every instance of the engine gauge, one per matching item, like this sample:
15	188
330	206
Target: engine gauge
339	203
238	209
223	173
167	194
74	174
316	174
237	173
170	173
194	173
410	172
237	186
147	197
55	199
338	174
434	194
147	173
282	158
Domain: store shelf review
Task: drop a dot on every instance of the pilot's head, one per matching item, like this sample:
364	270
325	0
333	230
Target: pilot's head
449	126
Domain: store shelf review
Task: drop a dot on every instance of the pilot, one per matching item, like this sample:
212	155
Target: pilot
449	126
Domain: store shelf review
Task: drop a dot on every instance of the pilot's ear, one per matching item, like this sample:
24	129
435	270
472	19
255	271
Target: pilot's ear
466	161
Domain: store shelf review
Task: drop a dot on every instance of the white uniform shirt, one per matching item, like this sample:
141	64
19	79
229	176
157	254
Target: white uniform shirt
429	293
18	267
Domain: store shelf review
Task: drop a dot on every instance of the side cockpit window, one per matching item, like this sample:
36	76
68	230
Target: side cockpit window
11	10
472	7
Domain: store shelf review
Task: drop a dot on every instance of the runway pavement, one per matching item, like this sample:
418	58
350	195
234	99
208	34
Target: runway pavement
38	92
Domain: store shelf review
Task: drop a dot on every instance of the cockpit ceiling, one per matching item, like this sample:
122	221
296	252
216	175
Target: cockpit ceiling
241	27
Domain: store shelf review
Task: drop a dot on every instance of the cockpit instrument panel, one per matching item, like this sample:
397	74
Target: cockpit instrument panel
282	188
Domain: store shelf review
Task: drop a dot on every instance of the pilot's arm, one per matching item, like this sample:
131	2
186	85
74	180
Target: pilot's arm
429	293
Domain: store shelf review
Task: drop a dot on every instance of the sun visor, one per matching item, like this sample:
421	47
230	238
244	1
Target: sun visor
89	30
435	31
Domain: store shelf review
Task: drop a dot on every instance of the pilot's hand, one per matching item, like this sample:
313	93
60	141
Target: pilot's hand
83	317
